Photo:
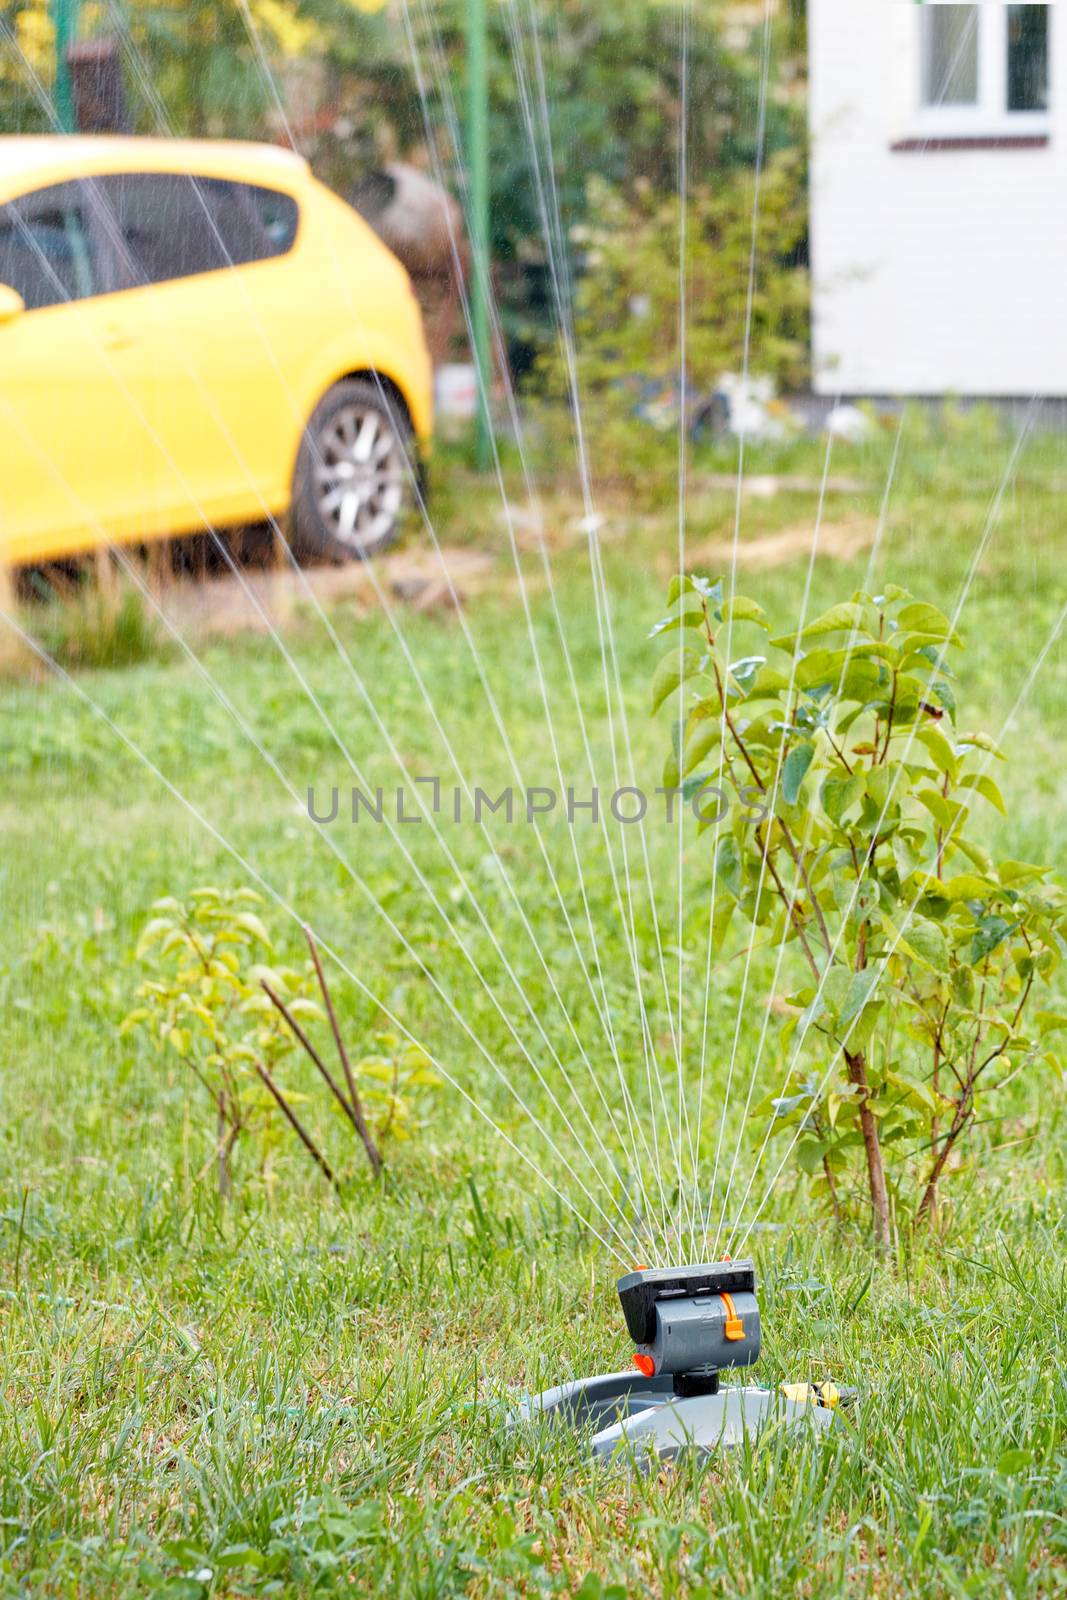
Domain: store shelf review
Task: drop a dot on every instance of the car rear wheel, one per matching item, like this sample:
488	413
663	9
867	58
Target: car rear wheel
354	473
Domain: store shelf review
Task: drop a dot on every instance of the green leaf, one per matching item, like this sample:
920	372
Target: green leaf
693	583
795	771
252	925
943	811
693	785
845	617
920	617
861	987
861	1029
1014	872
914	1089
975	854
985	786
840	794
742	609
706	736
991	932
809	1155
238	1555
963	986
945	758
728	866
672	671
881	782
979	741
966	886
767	684
671	771
724	913
928	943
156	929
684	619
944	696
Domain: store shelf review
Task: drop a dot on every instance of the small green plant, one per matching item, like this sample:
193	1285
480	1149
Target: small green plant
231	1018
850	837
206	1006
97	629
390	1079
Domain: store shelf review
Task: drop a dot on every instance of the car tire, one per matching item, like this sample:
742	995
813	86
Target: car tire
354	473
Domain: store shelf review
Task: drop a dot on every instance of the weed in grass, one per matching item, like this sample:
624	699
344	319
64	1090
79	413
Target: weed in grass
94	628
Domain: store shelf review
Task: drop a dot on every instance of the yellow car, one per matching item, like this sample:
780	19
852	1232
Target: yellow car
195	335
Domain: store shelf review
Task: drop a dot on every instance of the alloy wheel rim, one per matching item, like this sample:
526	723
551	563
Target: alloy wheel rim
359	476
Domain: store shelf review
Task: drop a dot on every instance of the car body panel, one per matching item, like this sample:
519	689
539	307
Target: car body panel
173	406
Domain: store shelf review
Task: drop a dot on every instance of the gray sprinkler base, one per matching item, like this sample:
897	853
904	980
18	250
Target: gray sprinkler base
641	1417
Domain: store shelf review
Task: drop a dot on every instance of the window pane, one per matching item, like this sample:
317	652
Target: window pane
950	55
253	223
44	247
1028	58
278	215
169	225
159	225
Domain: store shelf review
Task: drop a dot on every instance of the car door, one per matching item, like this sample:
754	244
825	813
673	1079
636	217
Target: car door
215	327
73	416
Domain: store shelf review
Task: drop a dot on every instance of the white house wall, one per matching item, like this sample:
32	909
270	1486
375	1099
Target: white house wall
934	271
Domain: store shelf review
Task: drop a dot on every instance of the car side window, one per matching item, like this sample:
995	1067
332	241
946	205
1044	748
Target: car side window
171	225
46	252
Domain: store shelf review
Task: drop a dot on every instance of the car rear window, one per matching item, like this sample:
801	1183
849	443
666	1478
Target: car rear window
171	225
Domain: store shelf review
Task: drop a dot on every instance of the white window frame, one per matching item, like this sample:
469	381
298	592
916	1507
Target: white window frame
989	116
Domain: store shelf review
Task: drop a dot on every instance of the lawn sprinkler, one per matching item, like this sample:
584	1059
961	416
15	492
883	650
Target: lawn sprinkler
688	1325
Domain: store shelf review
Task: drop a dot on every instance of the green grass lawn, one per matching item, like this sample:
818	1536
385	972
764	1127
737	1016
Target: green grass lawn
300	1393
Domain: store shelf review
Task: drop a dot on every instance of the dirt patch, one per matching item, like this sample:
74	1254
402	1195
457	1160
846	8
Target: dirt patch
224	606
842	541
765	485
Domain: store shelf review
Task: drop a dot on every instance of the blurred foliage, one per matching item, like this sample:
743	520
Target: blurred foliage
94	626
627	299
391	1079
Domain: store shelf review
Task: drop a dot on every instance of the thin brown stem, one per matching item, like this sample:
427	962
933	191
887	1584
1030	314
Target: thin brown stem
353	1113
346	1066
222	1153
838	752
789	902
889	720
831	1184
294	1122
794	851
929	1197
879	1193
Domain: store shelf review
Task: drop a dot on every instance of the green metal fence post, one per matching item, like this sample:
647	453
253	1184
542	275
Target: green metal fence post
65	24
478	220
